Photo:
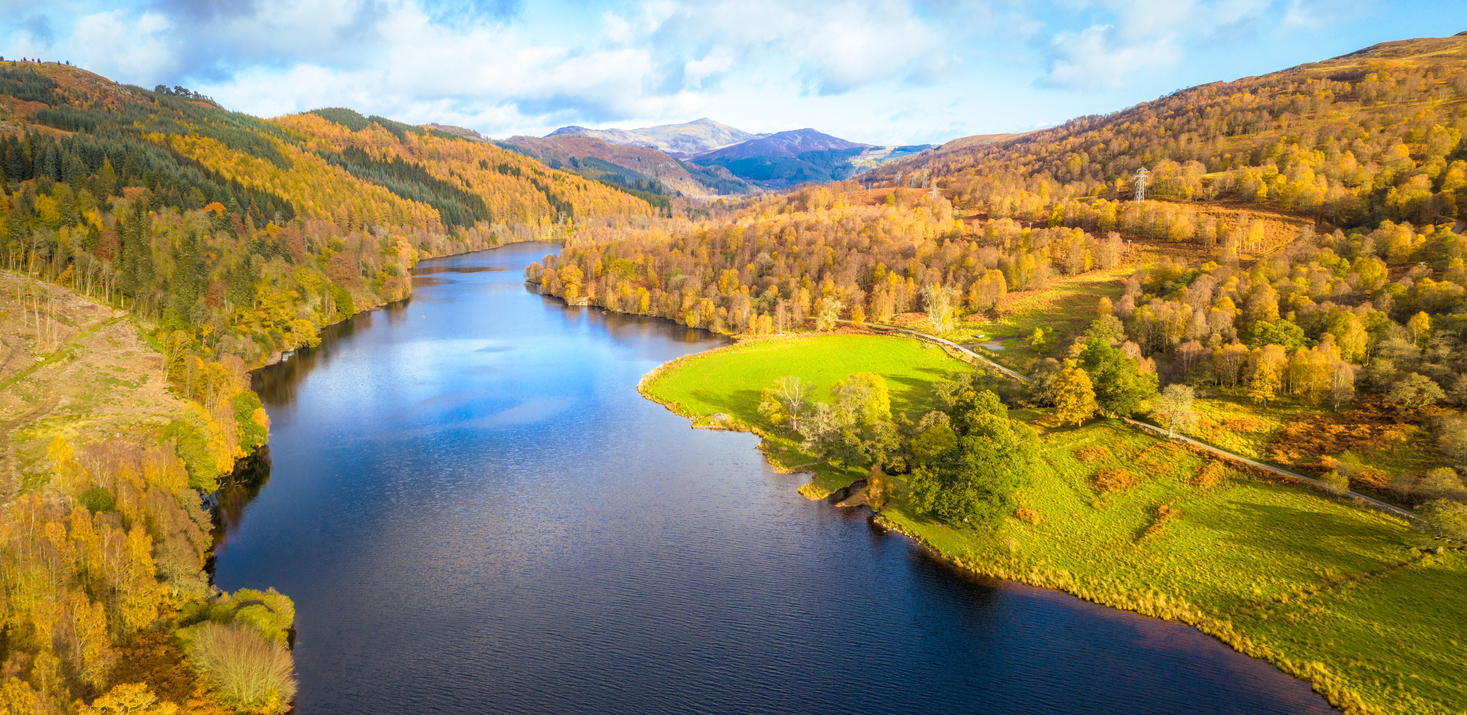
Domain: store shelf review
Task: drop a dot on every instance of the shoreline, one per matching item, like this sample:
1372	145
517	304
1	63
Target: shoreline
1150	605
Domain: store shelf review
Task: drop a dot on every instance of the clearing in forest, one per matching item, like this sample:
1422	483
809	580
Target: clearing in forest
70	367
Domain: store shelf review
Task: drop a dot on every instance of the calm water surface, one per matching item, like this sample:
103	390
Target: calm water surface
475	512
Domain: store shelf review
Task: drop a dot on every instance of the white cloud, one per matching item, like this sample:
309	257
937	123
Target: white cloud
835	47
131	50
487	75
1094	59
1142	36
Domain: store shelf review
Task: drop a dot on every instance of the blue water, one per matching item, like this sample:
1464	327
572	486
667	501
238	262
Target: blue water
475	512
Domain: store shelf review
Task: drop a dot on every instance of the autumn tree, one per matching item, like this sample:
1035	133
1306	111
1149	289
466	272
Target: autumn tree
938	304
1265	373
1074	395
1414	392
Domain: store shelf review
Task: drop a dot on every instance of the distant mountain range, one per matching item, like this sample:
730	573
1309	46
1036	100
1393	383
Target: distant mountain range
702	158
631	166
684	141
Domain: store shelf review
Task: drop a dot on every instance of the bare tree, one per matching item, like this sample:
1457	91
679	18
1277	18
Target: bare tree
793	393
939	302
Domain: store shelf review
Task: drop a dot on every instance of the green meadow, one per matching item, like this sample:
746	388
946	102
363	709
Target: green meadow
728	381
1327	591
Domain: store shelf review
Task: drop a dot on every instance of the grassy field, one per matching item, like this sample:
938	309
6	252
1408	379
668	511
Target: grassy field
728	381
1066	307
1325	590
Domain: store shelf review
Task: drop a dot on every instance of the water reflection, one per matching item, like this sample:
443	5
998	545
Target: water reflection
236	491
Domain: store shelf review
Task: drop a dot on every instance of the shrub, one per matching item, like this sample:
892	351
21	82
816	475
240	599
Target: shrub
1163	513
248	413
1440	483
96	500
1210	474
1334	482
130	699
249	670
1091	454
193	448
1113	480
1028	516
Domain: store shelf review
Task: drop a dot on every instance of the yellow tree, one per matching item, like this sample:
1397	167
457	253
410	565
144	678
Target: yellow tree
1420	328
1265	371
1074	395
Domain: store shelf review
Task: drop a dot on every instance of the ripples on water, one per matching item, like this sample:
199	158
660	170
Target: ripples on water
476	512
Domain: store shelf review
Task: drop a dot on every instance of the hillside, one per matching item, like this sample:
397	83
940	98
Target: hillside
1374	135
109	448
246	234
683	141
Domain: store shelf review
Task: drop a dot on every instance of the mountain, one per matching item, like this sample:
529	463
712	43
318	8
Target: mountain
683	141
782	144
639	167
787	158
716	158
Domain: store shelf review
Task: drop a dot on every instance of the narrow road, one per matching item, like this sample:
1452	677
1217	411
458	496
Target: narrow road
1153	429
934	339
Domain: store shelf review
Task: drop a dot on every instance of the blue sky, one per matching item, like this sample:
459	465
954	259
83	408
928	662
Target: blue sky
878	71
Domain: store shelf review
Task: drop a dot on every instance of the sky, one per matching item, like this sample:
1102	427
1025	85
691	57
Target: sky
874	71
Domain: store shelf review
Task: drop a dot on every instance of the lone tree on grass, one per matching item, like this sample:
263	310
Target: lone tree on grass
1074	395
1120	386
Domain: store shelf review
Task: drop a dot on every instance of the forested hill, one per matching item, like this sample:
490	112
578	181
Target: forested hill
246	235
1370	136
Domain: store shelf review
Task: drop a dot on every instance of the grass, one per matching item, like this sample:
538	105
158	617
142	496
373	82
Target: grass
1326	591
728	381
1065	307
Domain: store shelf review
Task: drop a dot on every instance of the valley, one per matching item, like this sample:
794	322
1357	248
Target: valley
331	412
